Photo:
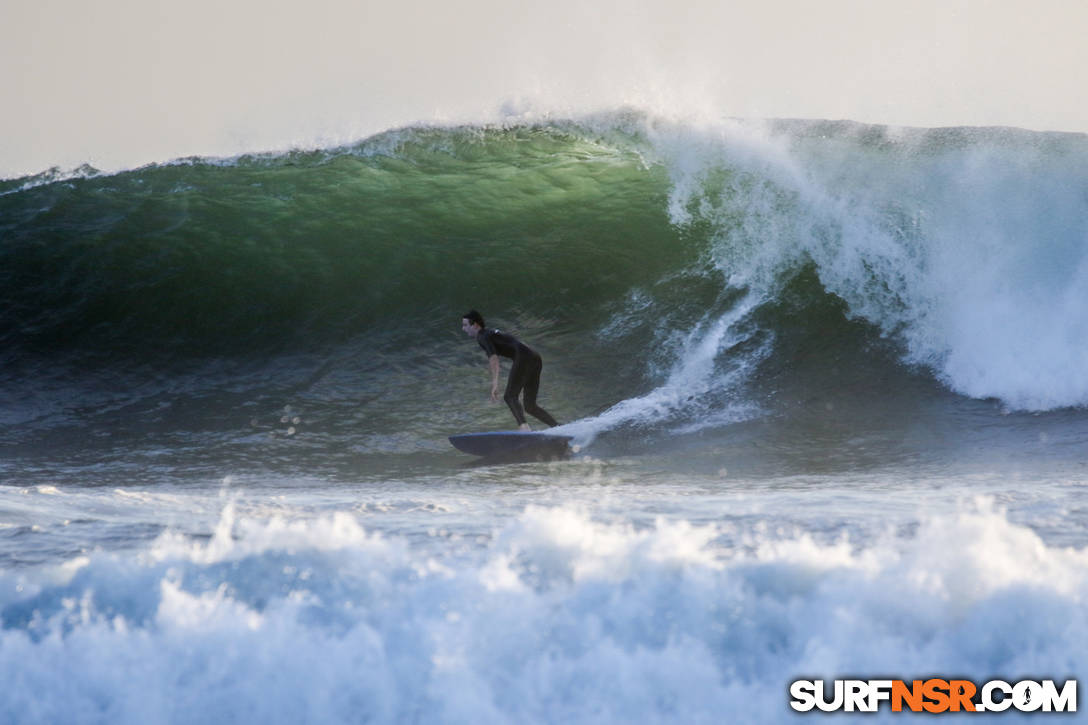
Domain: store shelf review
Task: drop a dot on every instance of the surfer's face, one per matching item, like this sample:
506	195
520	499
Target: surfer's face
470	328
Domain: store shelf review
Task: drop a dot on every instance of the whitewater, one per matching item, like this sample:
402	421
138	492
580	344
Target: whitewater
827	383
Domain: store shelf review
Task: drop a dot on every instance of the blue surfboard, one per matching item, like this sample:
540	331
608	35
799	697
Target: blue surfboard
511	444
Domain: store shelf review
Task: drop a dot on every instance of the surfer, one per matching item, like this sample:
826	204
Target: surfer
524	375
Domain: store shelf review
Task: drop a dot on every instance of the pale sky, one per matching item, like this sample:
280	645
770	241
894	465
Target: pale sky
120	83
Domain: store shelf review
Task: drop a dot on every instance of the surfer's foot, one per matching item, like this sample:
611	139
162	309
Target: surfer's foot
524	427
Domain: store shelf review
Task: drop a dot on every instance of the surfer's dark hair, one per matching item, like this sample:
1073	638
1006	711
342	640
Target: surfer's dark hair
475	317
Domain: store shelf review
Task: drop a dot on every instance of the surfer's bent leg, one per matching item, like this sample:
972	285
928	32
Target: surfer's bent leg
532	387
514	384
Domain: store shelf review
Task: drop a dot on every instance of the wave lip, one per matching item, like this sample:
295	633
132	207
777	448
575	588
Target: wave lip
968	245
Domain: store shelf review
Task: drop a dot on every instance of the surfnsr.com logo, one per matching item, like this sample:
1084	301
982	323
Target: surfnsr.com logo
934	695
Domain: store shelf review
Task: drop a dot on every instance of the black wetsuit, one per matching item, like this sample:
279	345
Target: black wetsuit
524	375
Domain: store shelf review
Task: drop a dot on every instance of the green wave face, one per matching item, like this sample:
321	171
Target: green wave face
656	249
407	227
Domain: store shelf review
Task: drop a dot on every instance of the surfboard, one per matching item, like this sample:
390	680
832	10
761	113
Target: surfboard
527	444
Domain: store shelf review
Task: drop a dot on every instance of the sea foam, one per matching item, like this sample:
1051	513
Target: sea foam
555	616
970	246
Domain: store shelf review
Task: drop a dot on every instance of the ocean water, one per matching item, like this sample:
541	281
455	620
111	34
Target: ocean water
827	383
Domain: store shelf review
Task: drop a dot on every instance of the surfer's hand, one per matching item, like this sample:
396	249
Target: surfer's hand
494	393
